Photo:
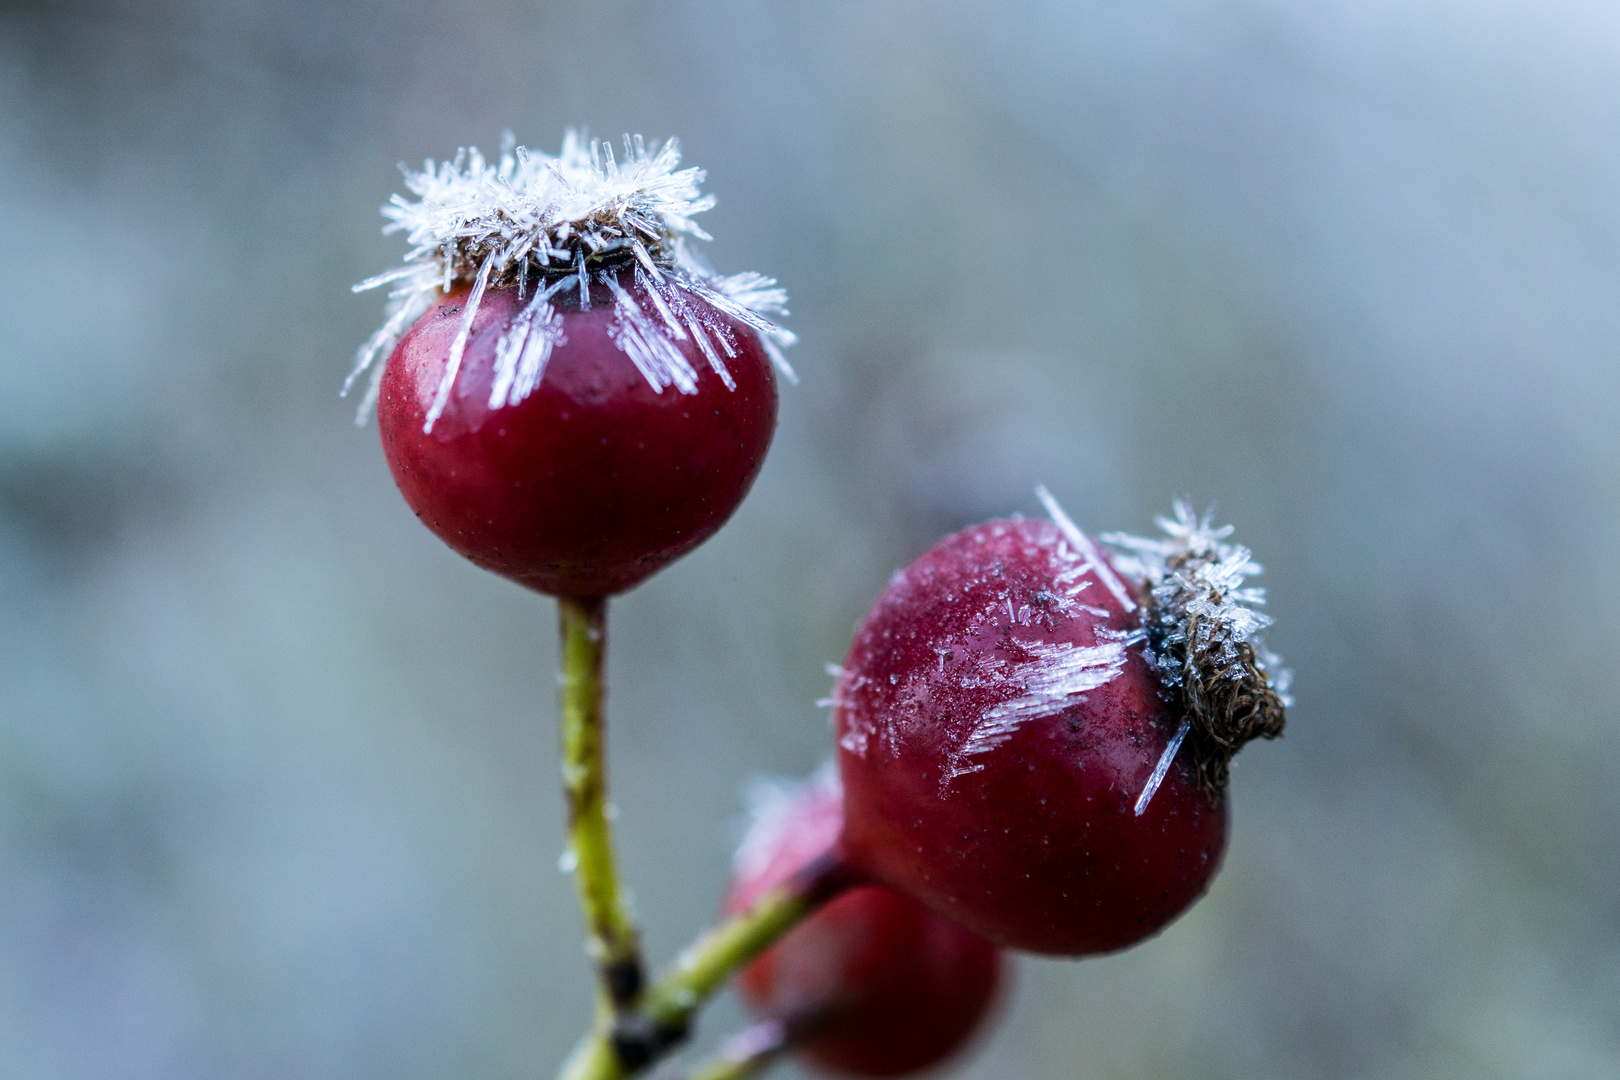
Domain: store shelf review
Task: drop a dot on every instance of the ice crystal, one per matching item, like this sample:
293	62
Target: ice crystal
1056	674
1087	550
1202	636
560	223
1163	767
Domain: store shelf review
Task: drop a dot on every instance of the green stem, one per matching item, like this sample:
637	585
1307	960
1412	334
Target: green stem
611	935
706	965
622	1049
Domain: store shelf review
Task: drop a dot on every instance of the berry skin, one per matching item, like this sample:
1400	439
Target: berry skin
594	480
997	728
872	984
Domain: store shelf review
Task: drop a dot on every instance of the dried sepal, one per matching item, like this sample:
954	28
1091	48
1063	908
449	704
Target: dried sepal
1203	636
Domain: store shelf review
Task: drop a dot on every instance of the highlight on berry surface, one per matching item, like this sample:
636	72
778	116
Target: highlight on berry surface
561	224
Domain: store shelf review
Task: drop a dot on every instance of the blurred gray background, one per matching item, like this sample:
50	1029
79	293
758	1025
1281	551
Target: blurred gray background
277	793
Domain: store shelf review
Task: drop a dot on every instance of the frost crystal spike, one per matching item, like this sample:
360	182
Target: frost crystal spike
1197	596
552	223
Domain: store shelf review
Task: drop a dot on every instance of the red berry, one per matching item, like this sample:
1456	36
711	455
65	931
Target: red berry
872	984
594	480
575	398
1000	719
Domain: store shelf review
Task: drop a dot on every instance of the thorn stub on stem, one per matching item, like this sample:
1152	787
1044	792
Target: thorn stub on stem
624	978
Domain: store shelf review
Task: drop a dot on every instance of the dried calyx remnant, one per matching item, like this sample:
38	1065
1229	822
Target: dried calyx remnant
553	224
1202	629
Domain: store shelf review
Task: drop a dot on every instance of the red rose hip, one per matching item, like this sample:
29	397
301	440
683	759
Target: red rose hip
873	983
574	400
595	479
1010	732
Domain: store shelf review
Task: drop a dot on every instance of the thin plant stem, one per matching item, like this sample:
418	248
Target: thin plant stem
635	1039
611	937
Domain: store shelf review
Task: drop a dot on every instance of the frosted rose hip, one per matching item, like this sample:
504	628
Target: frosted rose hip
572	398
592	481
1001	731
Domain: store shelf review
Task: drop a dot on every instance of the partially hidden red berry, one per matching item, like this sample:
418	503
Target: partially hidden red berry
1010	743
594	480
873	983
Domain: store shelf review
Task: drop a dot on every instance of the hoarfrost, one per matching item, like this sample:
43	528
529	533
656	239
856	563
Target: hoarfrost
1088	551
1162	767
1196	585
522	351
770	803
1203	639
860	727
1056	675
751	1045
562	219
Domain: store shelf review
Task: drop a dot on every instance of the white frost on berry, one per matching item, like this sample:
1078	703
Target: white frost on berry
1198	598
522	351
567	220
1046	677
859	727
1082	543
1161	768
1056	675
774	821
752	1046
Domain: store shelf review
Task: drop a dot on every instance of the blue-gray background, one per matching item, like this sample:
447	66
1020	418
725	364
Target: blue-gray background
276	788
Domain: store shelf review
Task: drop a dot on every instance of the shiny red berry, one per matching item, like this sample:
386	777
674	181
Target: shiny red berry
572	397
1011	747
594	480
872	984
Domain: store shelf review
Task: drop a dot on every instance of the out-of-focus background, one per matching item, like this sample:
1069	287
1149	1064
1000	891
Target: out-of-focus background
277	793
